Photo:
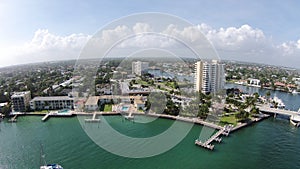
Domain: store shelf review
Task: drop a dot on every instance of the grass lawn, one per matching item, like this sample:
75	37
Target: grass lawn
40	112
107	107
228	120
142	82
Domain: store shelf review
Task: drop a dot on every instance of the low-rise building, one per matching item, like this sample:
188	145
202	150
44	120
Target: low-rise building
254	82
52	103
139	104
92	103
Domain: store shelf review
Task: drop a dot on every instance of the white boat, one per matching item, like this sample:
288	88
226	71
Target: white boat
295	120
48	166
295	92
279	102
51	166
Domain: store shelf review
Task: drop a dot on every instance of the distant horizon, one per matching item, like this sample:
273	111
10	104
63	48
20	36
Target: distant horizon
120	57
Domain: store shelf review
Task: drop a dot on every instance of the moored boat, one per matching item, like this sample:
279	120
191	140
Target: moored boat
295	92
295	120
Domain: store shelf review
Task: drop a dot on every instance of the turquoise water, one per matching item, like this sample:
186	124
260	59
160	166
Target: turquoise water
125	108
272	143
64	111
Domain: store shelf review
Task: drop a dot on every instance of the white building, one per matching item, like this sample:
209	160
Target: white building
254	82
209	76
92	103
139	67
20	101
52	103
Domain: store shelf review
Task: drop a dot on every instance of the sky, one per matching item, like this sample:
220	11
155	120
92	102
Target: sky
256	31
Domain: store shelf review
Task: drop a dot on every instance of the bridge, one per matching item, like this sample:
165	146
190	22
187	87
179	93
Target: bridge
267	109
294	116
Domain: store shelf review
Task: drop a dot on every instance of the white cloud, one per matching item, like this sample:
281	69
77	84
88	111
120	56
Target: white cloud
290	47
237	43
141	28
43	40
233	38
46	46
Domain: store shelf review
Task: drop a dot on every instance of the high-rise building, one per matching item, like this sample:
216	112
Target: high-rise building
139	67
20	101
209	76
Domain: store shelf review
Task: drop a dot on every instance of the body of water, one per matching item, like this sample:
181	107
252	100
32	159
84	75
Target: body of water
272	143
292	101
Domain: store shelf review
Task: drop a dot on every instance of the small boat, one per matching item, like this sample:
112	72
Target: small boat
47	166
51	166
295	120
295	92
279	102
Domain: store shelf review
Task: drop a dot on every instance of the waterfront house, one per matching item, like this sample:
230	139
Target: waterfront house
92	103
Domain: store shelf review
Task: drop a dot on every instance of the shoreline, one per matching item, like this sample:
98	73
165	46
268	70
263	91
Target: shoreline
193	120
259	87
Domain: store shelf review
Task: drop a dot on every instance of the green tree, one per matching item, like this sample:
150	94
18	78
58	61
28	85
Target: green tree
203	111
254	110
268	94
242	115
6	110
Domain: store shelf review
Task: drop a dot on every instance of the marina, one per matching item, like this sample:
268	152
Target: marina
216	137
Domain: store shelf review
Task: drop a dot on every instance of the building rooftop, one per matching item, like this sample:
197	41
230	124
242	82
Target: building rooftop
92	100
20	94
51	98
139	101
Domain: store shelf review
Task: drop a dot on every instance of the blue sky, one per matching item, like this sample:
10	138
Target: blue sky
20	20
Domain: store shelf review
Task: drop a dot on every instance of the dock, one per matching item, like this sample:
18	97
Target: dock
93	119
216	137
46	117
13	119
56	114
129	116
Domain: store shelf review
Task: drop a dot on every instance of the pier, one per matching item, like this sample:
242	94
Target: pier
56	114
93	119
216	137
46	117
13	119
129	116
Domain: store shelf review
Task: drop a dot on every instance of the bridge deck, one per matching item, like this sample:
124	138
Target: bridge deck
265	108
